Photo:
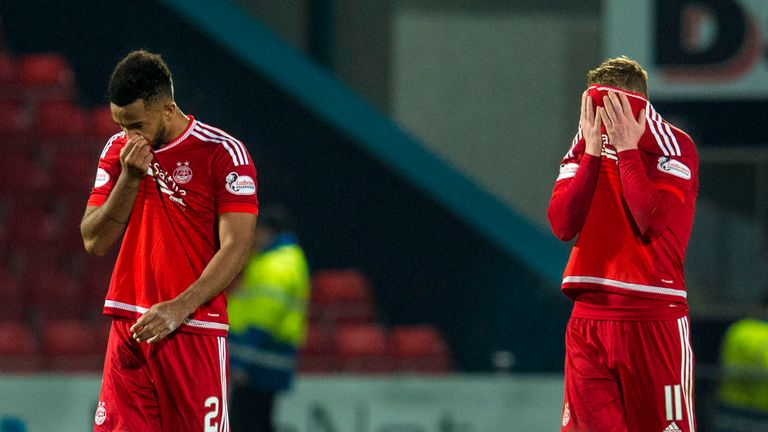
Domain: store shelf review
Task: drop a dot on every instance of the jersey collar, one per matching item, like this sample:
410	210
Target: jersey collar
181	137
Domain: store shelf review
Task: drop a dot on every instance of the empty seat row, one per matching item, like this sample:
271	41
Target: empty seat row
49	291
45	74
372	349
54	123
27	177
71	345
341	296
63	345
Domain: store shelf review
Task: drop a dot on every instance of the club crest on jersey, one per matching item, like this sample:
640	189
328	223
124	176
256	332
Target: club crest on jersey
183	173
566	415
240	184
101	414
674	167
102	177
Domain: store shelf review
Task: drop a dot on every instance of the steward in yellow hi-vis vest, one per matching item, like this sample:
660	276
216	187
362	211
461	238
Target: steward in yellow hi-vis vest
744	386
267	321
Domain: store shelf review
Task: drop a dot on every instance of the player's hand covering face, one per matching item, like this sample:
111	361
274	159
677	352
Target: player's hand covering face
623	130
590	122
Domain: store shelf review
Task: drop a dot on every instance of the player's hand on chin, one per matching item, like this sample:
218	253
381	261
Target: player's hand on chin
159	321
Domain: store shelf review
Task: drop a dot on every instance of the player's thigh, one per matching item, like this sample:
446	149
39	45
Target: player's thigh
127	400
592	392
657	377
192	375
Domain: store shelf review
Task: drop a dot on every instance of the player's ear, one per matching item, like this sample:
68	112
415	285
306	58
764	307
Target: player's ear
170	109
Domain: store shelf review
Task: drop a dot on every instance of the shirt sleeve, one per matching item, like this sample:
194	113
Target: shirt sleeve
108	171
674	173
651	203
573	191
234	177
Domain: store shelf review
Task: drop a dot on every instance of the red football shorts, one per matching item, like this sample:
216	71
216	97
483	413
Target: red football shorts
628	376
177	384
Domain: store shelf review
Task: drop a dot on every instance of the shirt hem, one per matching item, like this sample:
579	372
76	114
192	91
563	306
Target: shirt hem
618	286
120	314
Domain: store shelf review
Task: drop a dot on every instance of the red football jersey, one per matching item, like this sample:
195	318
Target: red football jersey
172	233
610	253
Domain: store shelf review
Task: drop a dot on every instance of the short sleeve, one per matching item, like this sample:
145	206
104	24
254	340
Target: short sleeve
234	177
108	170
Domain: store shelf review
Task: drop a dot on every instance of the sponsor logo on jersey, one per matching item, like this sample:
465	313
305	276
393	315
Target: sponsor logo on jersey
183	173
609	153
673	428
566	415
102	177
674	167
101	414
240	184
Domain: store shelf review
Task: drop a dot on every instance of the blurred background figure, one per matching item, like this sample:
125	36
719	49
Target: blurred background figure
743	392
12	424
268	316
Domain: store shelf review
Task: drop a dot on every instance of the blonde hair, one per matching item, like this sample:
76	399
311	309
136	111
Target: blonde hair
621	72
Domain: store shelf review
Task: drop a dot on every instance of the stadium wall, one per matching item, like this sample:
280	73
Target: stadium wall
462	403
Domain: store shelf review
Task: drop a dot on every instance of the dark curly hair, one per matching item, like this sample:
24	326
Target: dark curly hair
140	75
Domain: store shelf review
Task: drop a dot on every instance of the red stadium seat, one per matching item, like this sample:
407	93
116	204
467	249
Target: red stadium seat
55	294
420	349
32	227
18	348
101	126
363	349
95	276
7	72
73	345
317	355
75	173
60	123
13	122
14	298
9	90
21	174
47	74
341	296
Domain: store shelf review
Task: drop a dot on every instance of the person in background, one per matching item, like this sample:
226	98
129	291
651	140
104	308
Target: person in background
268	316
743	393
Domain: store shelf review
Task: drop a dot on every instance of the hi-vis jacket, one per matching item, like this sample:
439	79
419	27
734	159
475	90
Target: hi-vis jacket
268	315
744	358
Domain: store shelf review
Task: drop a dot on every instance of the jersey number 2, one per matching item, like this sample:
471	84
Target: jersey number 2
211	425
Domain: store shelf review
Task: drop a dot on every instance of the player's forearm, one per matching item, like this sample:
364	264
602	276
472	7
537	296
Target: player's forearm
651	208
103	226
570	201
223	267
